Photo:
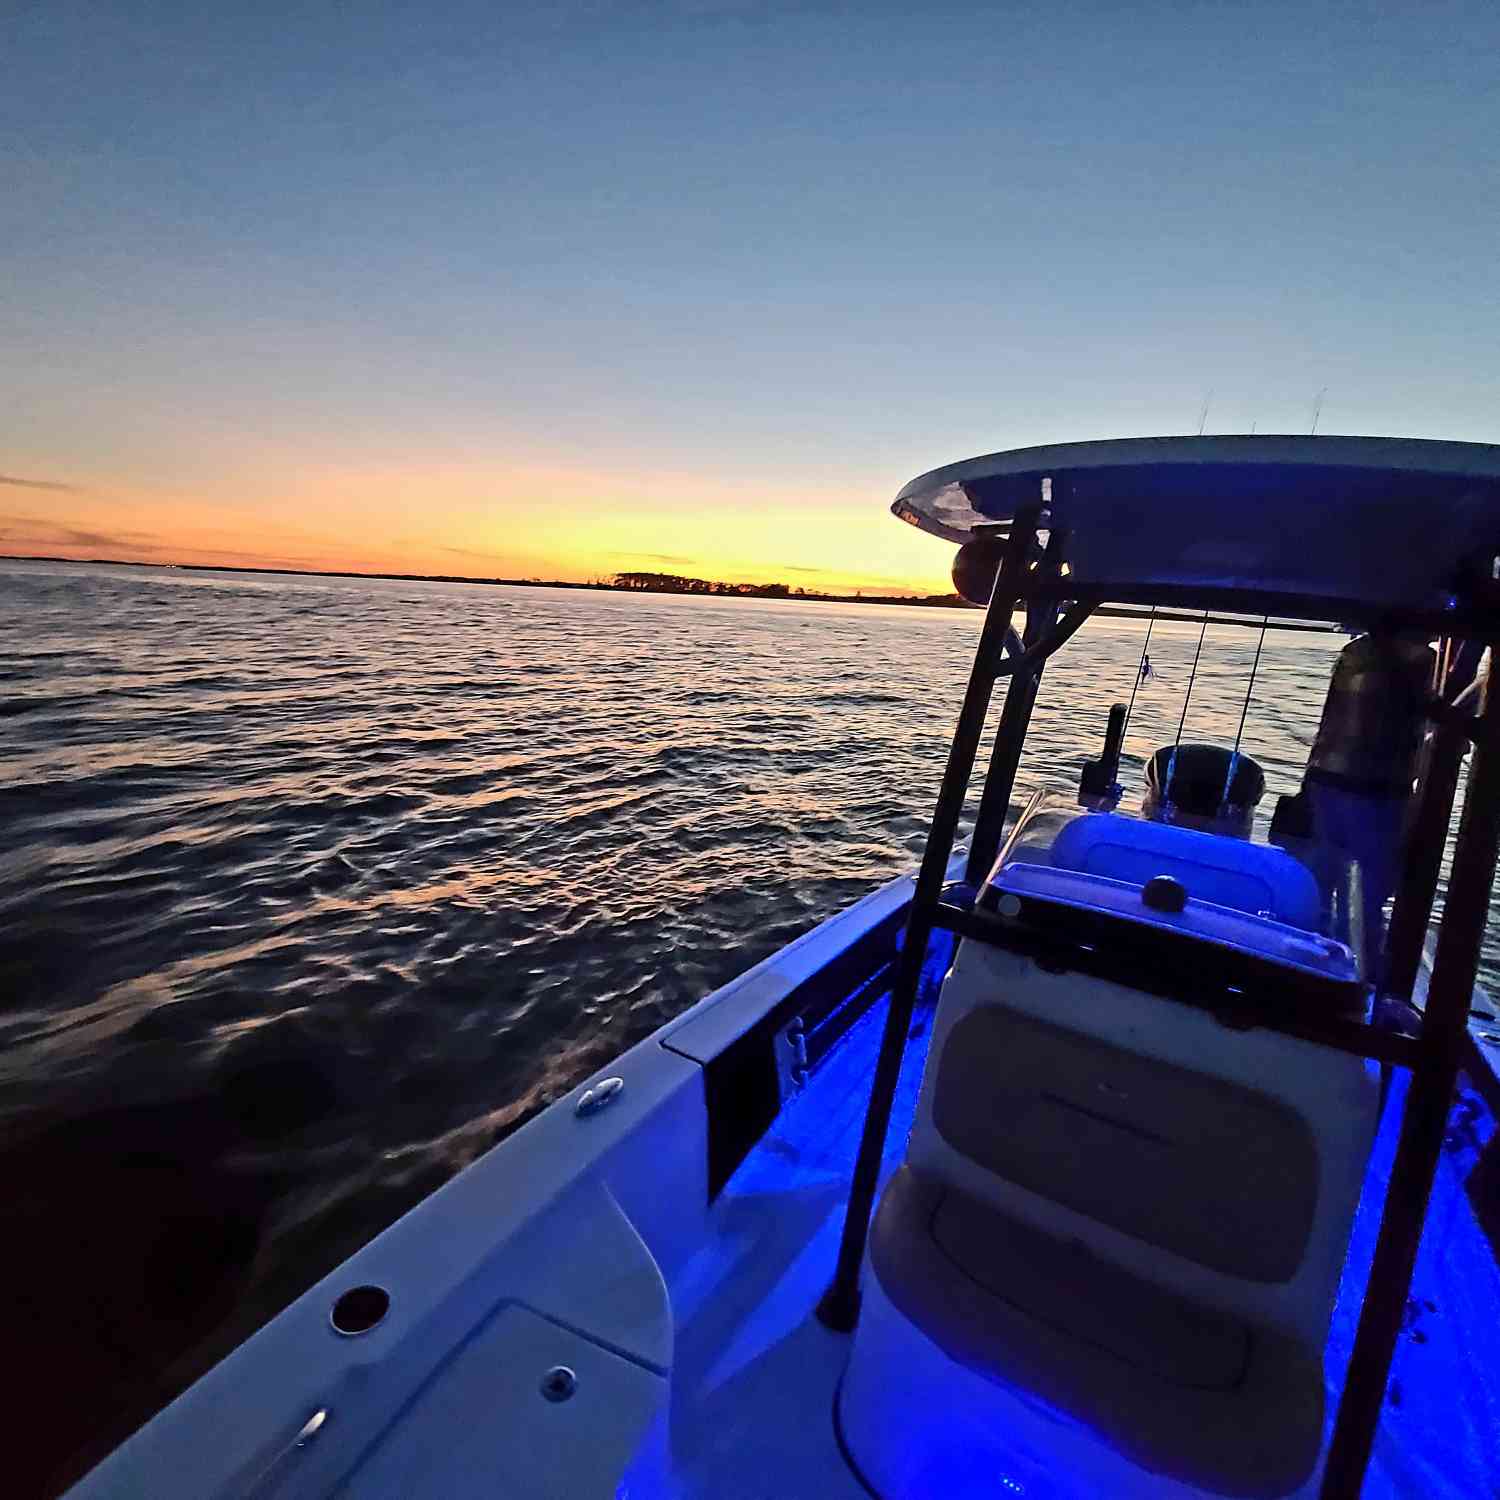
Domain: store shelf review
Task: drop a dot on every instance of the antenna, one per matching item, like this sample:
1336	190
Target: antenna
1317	411
1203	415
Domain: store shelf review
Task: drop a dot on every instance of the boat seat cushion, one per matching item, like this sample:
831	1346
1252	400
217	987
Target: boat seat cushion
1178	1388
1212	867
1205	1168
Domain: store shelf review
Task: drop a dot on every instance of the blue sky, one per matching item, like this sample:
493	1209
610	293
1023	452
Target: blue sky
401	278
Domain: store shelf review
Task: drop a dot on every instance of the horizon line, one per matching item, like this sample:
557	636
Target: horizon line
932	601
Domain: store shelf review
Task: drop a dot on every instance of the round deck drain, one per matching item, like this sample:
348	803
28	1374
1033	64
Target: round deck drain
359	1310
559	1383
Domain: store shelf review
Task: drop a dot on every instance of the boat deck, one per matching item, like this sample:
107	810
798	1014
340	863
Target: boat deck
755	1373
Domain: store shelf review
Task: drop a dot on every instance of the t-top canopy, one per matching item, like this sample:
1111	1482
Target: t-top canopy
1332	527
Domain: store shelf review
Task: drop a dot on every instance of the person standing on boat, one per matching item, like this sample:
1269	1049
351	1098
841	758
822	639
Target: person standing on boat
1364	760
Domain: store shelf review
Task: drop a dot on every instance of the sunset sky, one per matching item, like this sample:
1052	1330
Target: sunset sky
562	290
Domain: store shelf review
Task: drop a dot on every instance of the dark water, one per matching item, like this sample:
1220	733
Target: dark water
312	889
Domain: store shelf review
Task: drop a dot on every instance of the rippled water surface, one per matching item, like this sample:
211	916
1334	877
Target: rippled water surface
310	889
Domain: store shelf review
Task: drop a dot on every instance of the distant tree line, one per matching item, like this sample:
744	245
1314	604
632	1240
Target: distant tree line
673	583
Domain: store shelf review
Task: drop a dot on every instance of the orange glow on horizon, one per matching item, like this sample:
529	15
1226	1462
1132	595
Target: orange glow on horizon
480	521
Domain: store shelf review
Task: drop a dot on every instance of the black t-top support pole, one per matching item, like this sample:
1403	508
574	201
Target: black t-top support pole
839	1308
1021	690
1424	1122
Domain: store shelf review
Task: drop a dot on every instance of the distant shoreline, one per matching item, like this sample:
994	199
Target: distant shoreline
921	601
927	601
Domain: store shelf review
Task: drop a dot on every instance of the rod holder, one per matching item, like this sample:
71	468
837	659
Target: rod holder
1099	785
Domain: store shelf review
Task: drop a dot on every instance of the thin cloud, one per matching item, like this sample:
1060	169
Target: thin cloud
38	533
142	546
40	484
666	557
474	552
